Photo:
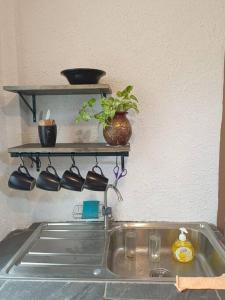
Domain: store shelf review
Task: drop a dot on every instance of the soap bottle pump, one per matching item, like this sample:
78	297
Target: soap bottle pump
182	248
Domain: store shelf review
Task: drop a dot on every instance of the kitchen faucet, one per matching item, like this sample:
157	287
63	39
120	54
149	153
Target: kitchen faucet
106	210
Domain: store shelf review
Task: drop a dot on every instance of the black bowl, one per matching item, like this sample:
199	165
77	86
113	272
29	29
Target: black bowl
83	76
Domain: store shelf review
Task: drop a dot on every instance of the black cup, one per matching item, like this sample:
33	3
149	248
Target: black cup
48	181
95	181
47	135
21	181
72	181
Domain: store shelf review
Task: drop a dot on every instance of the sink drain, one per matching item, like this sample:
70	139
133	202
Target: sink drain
97	272
159	272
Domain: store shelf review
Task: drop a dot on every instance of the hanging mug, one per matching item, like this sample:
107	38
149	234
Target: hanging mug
49	181
21	180
72	180
96	181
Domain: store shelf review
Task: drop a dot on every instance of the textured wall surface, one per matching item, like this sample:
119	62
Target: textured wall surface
171	51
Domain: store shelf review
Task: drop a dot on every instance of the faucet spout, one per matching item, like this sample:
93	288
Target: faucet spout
107	211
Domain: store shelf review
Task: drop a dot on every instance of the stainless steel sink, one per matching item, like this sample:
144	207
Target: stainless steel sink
84	250
209	259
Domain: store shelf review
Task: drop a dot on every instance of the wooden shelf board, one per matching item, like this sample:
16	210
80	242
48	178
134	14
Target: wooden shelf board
70	148
59	89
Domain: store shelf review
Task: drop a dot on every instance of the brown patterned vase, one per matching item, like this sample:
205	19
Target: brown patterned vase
119	130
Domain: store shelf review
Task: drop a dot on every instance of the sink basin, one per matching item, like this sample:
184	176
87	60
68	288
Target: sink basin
209	257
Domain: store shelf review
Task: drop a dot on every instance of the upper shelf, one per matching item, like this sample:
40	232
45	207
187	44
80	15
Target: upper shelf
72	89
78	89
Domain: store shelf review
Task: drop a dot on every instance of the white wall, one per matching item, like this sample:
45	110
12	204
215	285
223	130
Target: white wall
172	52
13	212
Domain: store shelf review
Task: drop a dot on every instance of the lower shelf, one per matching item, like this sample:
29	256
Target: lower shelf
35	151
68	148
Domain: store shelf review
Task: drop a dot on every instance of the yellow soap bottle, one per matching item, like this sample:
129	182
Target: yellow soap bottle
182	248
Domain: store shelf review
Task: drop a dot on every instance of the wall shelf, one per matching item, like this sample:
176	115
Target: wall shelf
72	89
35	151
40	90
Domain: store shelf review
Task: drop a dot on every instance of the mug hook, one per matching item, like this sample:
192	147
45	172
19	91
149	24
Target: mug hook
32	162
96	160
49	161
116	161
73	160
21	158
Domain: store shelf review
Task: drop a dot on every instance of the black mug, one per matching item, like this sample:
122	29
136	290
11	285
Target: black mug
47	135
72	181
95	181
21	181
49	181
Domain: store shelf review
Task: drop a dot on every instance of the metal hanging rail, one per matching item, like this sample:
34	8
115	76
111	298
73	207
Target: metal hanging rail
35	157
35	151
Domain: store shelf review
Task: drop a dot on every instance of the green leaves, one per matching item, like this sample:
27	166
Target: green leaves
109	106
83	116
133	98
91	102
86	112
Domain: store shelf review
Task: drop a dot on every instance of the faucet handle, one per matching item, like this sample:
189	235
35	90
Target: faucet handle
107	211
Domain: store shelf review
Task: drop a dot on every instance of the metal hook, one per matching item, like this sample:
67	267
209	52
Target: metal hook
116	161
22	160
96	160
38	162
35	160
73	160
49	160
32	161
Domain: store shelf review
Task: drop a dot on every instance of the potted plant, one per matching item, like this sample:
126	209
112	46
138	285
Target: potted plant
112	115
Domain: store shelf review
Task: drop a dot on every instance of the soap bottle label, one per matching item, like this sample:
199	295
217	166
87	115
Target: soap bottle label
184	254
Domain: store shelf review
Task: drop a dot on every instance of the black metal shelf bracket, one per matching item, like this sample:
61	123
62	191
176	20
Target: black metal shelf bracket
34	108
31	108
35	156
103	94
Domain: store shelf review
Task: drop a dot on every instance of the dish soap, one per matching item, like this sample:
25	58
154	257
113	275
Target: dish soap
182	248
